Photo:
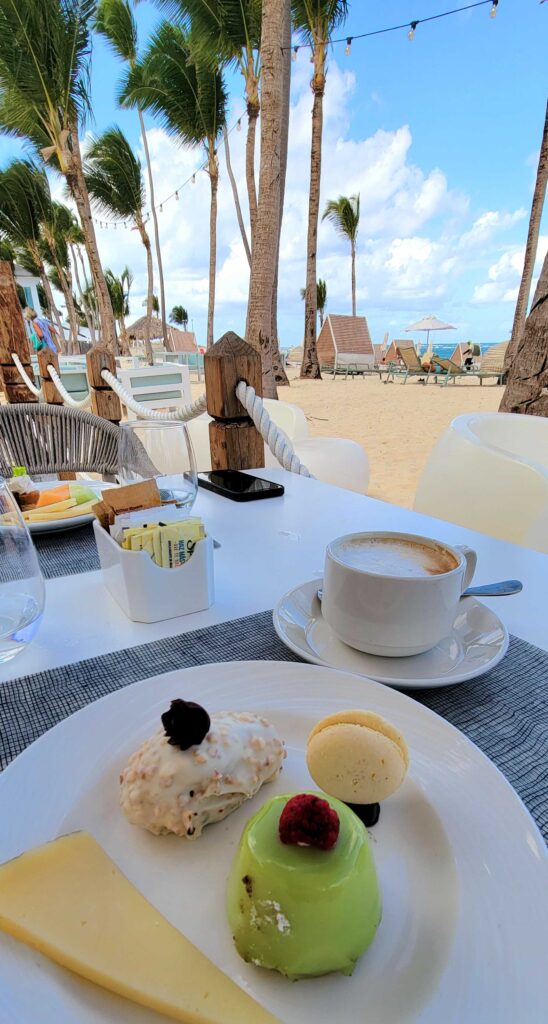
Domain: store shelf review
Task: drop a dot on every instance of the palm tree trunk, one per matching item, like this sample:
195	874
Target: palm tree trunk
124	340
527	387
77	186
83	302
156	232
234	186
320	311
280	375
310	366
150	289
253	110
213	169
530	251
71	311
353	252
264	240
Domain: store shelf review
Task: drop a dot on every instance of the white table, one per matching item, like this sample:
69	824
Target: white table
267	547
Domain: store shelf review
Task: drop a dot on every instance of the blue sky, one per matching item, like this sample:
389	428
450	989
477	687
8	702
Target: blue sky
439	135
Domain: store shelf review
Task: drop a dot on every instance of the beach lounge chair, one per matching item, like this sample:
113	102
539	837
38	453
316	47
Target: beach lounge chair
489	472
492	363
352	364
448	370
410	365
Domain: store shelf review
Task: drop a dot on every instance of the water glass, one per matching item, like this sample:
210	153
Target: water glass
159	450
22	592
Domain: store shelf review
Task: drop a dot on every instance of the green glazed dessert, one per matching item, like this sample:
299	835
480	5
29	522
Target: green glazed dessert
303	897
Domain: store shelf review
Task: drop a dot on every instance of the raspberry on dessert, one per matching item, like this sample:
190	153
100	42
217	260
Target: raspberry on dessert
307	820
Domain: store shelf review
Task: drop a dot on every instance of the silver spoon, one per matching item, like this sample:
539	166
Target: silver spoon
502	589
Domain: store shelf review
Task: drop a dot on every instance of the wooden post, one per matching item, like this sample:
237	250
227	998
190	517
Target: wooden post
48	358
104	401
234	440
13	338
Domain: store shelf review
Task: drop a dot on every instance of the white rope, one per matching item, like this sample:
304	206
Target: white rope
277	441
30	384
83	403
189	412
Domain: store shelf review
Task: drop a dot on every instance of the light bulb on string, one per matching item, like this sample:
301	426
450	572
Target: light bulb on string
411	33
239	125
295	52
177	196
193	179
161	207
348	46
493	11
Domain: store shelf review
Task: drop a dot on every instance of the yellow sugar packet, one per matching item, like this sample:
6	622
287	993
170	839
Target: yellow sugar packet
178	541
135	531
143	542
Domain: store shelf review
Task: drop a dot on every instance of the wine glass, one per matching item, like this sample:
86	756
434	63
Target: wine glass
159	450
22	591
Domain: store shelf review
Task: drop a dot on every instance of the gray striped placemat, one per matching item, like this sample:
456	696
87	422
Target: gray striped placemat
67	552
505	712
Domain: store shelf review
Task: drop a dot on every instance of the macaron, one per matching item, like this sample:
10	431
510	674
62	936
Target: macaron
357	756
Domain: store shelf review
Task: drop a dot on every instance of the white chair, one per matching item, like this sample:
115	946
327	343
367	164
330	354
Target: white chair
489	472
333	460
158	387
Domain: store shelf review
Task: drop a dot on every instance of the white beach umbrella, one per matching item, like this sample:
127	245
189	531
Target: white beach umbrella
430	323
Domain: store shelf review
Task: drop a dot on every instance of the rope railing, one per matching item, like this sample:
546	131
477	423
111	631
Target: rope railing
272	435
25	377
277	441
74	403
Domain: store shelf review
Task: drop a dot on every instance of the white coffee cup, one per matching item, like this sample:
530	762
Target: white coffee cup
386	613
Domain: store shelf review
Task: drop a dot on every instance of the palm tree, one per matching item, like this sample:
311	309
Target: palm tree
321	298
179	316
315	20
55	231
189	98
264	253
45	53
228	33
25	203
75	240
115	21
530	252
155	304
280	375
344	214
115	183
119	289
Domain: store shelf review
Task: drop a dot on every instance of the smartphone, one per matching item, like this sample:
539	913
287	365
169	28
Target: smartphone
239	486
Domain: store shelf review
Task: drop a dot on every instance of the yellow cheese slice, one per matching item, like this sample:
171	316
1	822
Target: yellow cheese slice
69	900
43	516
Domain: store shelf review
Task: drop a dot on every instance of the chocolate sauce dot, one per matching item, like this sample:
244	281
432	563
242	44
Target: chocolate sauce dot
369	814
186	724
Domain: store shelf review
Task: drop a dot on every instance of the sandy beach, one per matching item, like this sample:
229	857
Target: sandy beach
397	424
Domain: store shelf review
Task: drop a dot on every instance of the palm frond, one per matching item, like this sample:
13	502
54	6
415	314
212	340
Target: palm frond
344	214
45	51
115	21
316	20
25	203
114	176
187	97
222	28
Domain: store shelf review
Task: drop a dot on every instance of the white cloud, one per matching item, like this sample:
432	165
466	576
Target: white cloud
416	239
504	276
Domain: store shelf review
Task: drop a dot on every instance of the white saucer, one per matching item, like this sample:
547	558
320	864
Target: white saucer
478	641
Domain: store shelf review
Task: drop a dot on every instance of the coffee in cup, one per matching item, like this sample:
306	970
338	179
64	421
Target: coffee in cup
393	594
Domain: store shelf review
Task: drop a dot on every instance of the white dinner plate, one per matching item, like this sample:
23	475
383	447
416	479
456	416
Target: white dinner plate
462	867
57	525
478	641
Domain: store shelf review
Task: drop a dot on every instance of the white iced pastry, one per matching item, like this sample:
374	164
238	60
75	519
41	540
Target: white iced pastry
167	789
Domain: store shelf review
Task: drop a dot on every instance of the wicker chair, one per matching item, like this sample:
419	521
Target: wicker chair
56	439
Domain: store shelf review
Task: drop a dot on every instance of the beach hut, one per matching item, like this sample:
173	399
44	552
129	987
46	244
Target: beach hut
178	341
344	336
392	355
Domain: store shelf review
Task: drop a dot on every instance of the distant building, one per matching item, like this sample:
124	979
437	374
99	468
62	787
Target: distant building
29	283
178	341
343	336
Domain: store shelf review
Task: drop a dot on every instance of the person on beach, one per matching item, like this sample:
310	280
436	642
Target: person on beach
468	358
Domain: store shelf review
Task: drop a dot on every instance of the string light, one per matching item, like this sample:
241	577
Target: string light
239	125
348	46
193	179
161	207
408	25
177	196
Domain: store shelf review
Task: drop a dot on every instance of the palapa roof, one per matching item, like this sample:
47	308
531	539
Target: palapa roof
180	341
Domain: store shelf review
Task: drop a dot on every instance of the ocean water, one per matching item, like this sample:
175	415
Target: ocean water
445	349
